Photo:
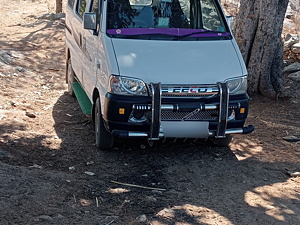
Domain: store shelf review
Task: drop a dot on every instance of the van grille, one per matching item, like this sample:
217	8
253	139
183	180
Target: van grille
210	115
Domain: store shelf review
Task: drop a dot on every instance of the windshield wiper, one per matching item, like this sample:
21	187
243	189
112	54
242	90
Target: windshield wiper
146	35
199	32
163	35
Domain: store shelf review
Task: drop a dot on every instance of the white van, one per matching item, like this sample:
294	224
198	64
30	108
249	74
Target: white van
156	69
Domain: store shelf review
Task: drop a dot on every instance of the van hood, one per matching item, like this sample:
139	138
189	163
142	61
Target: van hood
178	62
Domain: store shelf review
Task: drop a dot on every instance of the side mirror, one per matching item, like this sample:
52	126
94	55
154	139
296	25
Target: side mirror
90	21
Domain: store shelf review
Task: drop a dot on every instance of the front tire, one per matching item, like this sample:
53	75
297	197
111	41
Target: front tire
104	139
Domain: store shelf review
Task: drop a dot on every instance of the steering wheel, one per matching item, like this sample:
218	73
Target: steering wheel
140	24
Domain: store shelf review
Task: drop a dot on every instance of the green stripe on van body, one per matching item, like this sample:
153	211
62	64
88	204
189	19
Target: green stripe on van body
82	98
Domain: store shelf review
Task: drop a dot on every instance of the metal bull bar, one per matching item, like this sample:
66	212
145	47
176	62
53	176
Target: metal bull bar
223	110
156	112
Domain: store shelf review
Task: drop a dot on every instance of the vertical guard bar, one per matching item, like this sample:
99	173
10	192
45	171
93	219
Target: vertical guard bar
156	112
223	110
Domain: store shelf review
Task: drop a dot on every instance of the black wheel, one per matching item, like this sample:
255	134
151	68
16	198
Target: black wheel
71	78
222	142
104	139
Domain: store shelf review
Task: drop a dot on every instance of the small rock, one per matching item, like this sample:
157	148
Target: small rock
141	218
5	57
45	217
89	173
286	63
166	213
295	76
294	67
72	168
296	48
36	166
13	104
295	174
90	163
218	159
30	114
291	138
20	69
290	40
157	192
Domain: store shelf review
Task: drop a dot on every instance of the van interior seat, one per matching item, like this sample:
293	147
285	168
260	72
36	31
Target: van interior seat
123	15
171	10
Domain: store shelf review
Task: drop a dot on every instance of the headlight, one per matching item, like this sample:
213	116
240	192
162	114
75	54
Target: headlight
237	85
127	86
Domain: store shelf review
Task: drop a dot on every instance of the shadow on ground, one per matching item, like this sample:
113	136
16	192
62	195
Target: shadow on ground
203	184
182	183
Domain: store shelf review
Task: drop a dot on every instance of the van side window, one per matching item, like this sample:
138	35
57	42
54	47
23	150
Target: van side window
71	3
96	8
211	17
81	4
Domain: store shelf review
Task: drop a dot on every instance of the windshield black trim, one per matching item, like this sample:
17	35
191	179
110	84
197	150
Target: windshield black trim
167	37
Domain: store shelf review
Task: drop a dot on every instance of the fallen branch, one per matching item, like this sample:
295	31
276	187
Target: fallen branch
138	186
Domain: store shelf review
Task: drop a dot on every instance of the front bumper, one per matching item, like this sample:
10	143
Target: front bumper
157	117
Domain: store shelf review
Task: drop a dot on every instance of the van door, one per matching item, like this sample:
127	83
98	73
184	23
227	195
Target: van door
91	45
77	31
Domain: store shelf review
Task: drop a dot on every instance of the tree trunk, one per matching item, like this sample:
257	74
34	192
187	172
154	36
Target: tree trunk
258	29
58	6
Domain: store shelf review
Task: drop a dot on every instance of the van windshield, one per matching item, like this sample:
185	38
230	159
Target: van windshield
165	18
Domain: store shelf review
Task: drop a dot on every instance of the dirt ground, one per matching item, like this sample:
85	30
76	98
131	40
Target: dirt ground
52	173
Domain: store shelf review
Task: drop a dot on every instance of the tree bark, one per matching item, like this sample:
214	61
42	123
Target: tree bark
58	6
258	29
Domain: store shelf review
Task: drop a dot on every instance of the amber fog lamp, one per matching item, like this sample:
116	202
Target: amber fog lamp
121	111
